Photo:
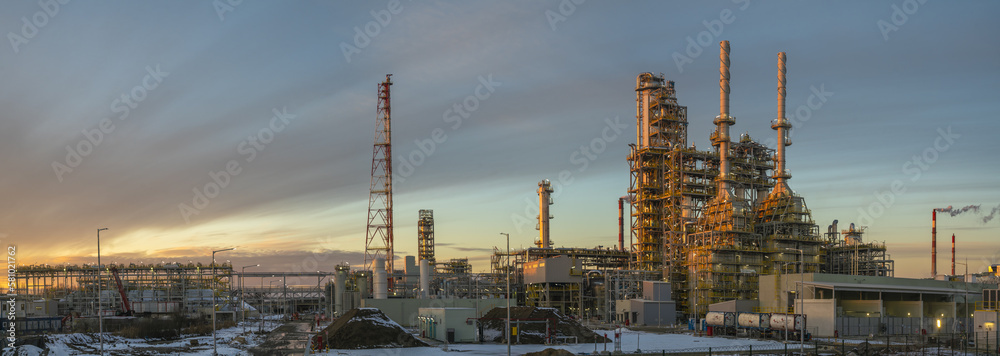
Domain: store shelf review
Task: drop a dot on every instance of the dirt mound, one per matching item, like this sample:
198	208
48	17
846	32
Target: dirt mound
533	332
550	352
368	328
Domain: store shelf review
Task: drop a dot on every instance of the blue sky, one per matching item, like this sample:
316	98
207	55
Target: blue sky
210	75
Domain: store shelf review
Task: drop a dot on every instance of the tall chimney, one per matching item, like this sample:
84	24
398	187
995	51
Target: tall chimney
723	121
952	254
934	243
782	125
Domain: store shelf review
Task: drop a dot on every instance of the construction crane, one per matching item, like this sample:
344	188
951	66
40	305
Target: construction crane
126	307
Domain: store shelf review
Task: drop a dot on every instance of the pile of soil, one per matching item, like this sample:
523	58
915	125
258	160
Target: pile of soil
534	333
368	328
550	352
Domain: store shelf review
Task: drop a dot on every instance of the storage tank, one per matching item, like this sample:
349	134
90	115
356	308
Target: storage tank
425	278
788	322
720	319
754	320
381	280
339	284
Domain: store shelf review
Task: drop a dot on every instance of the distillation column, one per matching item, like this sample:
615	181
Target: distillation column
544	200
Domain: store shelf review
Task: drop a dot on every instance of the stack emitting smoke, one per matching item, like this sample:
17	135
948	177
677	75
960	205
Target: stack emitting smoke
953	212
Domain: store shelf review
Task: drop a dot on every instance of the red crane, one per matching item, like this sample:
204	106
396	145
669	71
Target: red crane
126	307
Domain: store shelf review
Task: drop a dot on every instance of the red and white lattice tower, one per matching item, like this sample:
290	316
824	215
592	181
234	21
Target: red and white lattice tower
378	240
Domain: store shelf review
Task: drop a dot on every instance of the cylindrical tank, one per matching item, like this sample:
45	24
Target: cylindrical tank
425	278
778	321
361	283
788	322
381	281
720	319
753	320
339	284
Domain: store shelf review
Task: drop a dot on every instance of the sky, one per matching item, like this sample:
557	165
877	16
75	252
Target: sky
190	126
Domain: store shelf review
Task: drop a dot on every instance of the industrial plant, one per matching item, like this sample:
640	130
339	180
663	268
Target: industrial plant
714	236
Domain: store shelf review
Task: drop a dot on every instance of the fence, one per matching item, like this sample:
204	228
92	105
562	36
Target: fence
855	326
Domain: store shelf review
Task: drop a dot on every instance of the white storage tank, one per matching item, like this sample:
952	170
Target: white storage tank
754	320
720	319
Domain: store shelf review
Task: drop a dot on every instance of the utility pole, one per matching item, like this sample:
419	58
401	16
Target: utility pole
100	304
215	347
507	329
242	297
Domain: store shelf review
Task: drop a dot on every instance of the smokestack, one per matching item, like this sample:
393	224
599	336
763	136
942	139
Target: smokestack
782	125
544	200
723	121
934	243
952	254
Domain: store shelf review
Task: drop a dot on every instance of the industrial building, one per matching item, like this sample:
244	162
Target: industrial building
854	305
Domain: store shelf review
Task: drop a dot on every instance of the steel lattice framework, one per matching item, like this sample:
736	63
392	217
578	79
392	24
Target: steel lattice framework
378	239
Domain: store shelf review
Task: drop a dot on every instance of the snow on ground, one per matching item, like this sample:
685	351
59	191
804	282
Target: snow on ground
89	344
630	339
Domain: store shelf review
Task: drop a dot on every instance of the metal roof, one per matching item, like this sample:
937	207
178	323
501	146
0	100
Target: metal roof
865	287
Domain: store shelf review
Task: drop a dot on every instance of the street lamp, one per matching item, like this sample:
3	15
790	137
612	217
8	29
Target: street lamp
100	316
507	271
215	347
802	281
242	299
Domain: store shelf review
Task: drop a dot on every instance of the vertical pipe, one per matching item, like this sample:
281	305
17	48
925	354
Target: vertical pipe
952	254
723	120
934	243
621	224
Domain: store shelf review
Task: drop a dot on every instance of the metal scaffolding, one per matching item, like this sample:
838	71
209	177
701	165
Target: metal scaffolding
150	288
425	236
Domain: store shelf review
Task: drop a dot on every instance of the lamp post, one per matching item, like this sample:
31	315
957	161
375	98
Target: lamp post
802	281
507	271
215	347
100	316
242	299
